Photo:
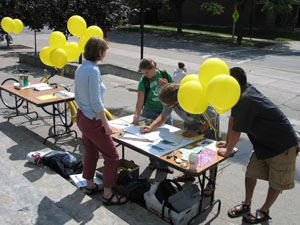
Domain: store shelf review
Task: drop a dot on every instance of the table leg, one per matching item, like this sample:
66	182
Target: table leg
67	130
212	201
23	114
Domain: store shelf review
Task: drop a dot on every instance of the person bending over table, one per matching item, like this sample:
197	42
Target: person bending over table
148	102
274	147
194	124
92	122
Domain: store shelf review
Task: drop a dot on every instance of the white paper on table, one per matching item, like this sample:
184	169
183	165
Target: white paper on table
64	94
209	144
119	124
130	118
152	136
157	146
79	181
39	85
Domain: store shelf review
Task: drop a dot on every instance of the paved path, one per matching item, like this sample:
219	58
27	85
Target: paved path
274	70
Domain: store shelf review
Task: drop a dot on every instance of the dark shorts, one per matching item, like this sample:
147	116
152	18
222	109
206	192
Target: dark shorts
278	170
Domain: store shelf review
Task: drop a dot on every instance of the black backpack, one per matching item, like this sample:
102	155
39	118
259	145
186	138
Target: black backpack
135	190
164	190
147	82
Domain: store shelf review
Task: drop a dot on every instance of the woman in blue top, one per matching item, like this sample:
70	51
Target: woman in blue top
92	122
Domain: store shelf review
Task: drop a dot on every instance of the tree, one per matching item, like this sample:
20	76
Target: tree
277	7
178	6
282	8
33	14
58	12
240	8
105	13
9	8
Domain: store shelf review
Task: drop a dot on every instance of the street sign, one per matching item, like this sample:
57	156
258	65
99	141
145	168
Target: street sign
235	16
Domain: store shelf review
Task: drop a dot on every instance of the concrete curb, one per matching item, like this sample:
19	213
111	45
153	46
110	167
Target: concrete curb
69	69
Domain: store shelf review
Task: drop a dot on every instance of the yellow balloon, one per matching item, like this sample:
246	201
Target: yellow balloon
191	97
211	68
18	26
7	24
45	55
58	58
221	111
92	31
189	77
57	40
223	92
72	51
81	43
76	26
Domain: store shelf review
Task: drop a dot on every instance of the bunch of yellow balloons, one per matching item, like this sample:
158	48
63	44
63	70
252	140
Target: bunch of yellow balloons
78	28
11	25
55	54
59	51
213	85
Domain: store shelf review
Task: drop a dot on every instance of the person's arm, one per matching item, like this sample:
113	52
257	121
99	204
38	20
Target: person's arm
231	140
194	133
162	81
156	123
138	107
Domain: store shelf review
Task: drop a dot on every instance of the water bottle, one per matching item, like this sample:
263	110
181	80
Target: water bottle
193	161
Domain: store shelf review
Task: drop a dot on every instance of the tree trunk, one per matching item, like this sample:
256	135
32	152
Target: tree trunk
179	19
241	7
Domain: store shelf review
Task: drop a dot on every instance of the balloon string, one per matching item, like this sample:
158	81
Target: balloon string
15	52
214	128
62	81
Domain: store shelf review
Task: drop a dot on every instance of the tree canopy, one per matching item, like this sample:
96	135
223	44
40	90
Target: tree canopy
55	13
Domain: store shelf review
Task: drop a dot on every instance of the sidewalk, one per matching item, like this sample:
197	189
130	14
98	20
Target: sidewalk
33	195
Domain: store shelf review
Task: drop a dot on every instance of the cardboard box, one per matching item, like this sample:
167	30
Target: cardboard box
124	164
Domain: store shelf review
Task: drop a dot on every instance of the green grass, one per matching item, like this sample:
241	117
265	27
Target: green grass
218	35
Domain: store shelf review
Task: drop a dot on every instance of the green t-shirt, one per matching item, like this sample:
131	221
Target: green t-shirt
152	100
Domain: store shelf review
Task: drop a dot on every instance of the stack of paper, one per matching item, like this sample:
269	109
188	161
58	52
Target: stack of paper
64	94
81	182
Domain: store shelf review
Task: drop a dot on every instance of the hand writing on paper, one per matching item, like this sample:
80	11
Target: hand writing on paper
145	129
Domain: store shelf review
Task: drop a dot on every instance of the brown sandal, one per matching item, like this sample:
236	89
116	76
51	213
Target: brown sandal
92	191
108	201
253	219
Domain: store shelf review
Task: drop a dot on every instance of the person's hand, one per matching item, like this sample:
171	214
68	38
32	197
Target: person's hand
162	81
108	130
135	121
145	129
189	133
221	144
222	152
